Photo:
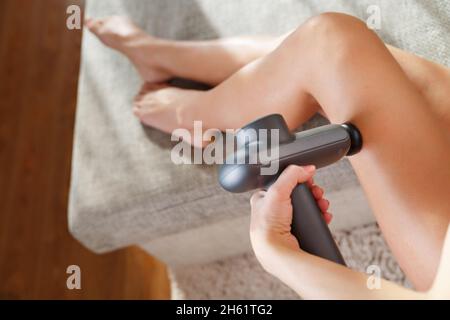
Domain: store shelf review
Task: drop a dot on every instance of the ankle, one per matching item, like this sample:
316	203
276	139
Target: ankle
162	53
149	50
192	110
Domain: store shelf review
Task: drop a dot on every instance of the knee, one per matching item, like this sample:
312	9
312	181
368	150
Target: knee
332	21
332	36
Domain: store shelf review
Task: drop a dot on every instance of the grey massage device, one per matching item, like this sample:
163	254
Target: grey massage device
320	146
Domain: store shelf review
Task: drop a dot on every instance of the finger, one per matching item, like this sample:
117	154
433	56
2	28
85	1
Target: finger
317	192
328	217
289	179
323	204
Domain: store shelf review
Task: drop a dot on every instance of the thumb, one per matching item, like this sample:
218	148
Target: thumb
289	179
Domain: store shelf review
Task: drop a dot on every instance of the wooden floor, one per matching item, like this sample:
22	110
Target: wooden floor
39	61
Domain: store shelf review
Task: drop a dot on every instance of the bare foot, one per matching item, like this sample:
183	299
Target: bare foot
121	34
166	108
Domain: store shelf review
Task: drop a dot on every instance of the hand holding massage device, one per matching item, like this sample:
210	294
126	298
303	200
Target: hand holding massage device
320	146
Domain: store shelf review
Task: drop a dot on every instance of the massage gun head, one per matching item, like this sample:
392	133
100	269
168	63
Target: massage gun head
320	146
355	138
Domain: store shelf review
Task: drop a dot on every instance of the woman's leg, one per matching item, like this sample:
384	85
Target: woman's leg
334	61
214	61
158	59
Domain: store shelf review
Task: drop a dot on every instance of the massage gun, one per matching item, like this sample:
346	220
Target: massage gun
320	146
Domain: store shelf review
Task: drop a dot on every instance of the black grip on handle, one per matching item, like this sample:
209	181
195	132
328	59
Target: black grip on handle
310	228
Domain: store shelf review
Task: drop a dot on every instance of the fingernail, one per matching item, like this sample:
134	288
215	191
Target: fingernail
310	168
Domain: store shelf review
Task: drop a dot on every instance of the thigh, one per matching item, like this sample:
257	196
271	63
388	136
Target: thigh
431	79
404	165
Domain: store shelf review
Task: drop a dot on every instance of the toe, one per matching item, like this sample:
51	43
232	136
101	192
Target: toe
138	98
146	90
88	22
94	25
137	111
138	103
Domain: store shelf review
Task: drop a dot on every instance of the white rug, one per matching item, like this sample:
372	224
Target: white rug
241	277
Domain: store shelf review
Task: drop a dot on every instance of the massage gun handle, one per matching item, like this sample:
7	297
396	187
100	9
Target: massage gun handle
310	228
